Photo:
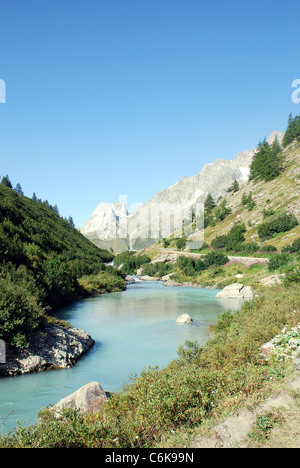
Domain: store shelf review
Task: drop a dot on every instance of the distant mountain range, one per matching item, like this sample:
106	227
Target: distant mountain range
111	226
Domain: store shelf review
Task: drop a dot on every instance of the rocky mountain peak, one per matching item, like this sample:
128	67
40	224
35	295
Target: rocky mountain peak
112	221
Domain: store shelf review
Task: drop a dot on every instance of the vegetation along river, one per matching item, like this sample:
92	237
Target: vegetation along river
132	329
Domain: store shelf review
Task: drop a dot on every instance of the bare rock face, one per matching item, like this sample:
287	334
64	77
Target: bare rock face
87	399
54	347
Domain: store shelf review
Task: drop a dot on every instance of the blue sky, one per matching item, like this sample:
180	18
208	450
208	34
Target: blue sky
113	97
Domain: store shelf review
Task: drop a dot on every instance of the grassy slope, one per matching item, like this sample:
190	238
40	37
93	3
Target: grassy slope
281	194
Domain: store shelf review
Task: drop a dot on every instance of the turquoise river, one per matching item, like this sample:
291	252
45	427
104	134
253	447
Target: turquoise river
132	329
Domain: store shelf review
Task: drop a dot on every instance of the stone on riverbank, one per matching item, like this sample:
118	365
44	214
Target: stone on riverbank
87	399
54	347
149	278
237	290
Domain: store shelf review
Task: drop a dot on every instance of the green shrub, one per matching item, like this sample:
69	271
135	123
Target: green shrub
248	201
20	310
191	266
180	243
215	258
276	261
130	261
268	248
232	240
282	223
157	269
295	247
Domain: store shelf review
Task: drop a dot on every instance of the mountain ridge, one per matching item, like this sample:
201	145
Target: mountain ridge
110	226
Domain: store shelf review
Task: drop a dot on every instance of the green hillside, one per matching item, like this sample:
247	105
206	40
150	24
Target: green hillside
44	263
259	202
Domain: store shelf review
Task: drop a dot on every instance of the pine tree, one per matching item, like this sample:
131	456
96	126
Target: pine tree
6	181
209	203
71	221
292	131
18	189
267	162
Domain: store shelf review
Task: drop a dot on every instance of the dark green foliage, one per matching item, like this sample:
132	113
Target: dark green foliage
42	258
130	261
214	213
158	269
267	161
18	189
268	213
268	248
221	211
248	201
234	187
191	266
293	130
282	223
277	260
6	181
180	243
21	309
209	203
231	241
295	247
166	243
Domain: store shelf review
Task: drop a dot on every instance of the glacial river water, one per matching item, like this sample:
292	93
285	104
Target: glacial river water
132	329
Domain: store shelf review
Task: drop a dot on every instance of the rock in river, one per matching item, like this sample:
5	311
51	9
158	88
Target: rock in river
184	318
54	347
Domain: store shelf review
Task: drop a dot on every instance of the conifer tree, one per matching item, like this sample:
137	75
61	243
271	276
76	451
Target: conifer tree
292	131
6	181
267	162
18	189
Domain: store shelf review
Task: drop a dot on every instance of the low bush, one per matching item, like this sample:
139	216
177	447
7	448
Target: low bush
158	269
282	223
130	261
191	266
231	241
295	247
278	260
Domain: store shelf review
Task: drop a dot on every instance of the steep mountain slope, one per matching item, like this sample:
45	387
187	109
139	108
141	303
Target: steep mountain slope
271	199
44	263
111	226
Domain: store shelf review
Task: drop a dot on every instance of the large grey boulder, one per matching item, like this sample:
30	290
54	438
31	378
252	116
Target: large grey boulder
53	347
236	290
87	399
171	283
272	280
